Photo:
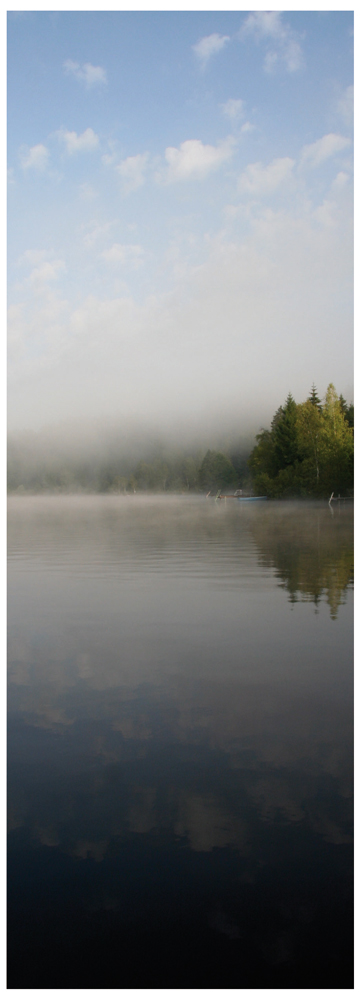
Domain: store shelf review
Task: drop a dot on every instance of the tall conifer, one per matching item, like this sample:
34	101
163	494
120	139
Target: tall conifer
313	397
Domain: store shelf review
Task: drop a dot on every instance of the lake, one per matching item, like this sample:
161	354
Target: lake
180	705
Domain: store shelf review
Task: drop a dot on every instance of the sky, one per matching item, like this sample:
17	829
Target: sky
180	217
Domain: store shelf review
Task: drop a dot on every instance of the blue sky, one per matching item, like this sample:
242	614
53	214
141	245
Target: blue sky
180	213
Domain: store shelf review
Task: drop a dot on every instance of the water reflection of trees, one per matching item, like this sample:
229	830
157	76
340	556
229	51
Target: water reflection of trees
204	761
313	556
310	545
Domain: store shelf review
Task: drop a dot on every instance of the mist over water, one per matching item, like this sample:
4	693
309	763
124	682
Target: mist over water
96	438
97	457
180	743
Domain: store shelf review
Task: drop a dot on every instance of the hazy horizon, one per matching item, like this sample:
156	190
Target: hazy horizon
180	219
98	444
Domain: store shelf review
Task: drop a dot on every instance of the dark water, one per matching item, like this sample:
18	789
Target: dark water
180	744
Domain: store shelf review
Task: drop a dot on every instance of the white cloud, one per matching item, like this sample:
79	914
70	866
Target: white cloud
195	160
340	180
109	159
124	360
132	171
124	253
32	257
345	106
87	74
247	127
264	24
43	269
15	335
233	108
325	214
83	143
36	157
46	272
87	192
208	46
40	327
270	62
321	150
269	26
292	56
96	233
258	180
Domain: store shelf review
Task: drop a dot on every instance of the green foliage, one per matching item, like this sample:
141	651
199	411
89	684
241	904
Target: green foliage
309	425
314	399
336	444
349	415
308	451
264	486
285	439
216	471
262	458
160	470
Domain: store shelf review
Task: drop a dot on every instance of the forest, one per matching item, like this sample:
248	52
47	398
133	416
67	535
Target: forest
307	452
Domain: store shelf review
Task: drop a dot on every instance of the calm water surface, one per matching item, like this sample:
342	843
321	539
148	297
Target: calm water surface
180	743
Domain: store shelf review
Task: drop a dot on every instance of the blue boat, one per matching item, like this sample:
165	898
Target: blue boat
247	499
235	496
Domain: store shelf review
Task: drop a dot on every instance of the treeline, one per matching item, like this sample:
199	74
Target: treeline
177	473
214	471
308	451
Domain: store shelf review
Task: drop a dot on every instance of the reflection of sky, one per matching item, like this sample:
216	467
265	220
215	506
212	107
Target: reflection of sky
148	773
150	650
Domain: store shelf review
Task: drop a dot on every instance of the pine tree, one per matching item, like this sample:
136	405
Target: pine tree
285	435
313	397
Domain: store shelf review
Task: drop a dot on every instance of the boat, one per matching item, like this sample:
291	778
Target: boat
246	499
238	495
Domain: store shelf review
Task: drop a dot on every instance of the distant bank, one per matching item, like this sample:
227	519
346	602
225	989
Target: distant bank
307	452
